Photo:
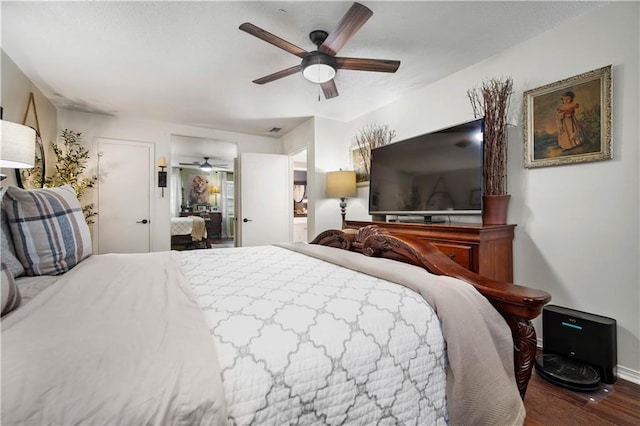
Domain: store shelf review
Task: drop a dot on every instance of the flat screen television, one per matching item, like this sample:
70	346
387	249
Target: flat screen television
435	174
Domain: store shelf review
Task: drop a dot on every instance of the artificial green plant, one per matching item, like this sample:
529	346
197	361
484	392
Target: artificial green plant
70	165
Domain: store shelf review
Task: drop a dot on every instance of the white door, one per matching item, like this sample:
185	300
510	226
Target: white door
125	180
265	199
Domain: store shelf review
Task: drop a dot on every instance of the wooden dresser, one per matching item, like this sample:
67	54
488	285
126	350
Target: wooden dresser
486	250
212	221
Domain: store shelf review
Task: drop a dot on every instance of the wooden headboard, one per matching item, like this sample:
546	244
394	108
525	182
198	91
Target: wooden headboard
517	304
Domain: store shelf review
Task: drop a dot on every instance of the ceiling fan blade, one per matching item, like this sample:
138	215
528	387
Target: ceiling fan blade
277	75
329	89
189	164
350	23
362	64
273	39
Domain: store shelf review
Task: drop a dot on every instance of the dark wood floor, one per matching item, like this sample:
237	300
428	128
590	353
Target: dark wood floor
548	404
221	243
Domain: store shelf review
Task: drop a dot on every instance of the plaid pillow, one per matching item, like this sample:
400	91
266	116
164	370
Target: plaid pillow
49	232
6	248
10	292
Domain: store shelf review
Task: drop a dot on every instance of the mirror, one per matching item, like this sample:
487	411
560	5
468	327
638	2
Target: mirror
298	192
33	178
201	184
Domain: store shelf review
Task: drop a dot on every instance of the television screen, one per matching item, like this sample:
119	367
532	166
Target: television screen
438	173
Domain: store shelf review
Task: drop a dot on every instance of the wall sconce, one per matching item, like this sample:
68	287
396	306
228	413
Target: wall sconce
162	175
342	184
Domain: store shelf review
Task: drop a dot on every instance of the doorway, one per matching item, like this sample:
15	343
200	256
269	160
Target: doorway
125	184
298	163
202	186
265	199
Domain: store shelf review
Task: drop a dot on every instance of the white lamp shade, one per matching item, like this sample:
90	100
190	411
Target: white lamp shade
341	184
17	145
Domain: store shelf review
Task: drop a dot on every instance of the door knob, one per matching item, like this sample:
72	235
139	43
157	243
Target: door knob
143	221
245	220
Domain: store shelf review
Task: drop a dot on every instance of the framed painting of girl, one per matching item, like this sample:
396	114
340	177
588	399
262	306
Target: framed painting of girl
569	121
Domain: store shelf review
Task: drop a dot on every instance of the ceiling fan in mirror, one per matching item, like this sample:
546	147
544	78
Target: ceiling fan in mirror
206	166
321	65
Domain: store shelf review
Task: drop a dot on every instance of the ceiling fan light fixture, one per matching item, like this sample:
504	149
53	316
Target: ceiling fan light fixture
206	166
318	67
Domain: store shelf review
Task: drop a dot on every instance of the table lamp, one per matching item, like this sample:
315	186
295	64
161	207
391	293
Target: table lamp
342	184
17	146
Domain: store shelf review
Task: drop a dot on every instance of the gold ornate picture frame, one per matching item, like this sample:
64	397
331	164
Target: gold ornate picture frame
569	121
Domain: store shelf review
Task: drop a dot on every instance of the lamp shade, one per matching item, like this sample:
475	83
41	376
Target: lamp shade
17	145
341	184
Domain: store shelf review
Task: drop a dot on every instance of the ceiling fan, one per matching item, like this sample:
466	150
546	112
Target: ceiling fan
206	166
320	66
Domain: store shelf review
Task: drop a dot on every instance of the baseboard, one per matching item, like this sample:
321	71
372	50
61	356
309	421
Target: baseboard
621	372
628	374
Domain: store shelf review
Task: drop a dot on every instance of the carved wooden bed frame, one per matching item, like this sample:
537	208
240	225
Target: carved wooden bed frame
517	304
185	242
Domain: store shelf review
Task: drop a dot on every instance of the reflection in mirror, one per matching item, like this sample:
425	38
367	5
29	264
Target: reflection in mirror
34	177
300	196
202	186
204	190
298	193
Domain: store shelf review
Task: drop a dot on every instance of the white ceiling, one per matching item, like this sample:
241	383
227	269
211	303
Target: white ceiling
188	63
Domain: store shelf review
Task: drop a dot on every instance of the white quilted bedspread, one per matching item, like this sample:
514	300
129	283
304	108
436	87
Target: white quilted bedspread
303	341
181	225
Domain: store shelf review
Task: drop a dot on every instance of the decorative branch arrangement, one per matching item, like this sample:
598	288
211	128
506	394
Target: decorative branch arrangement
71	162
370	137
491	100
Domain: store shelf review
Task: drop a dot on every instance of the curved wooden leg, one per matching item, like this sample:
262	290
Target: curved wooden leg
524	351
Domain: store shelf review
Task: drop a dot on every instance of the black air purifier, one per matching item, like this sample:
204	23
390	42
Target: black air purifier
580	348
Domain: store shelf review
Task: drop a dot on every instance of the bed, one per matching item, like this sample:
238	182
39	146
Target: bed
188	232
350	329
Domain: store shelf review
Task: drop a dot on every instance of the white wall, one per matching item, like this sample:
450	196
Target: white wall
577	233
95	126
328	155
299	138
325	140
14	93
